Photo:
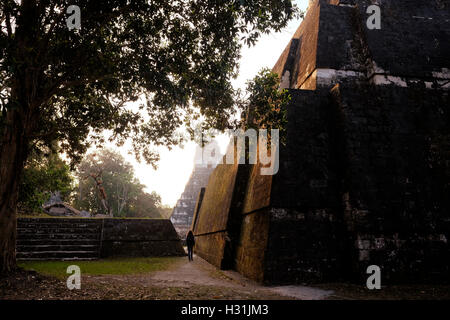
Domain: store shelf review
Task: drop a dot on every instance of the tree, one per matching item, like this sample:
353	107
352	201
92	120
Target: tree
165	211
42	176
265	105
145	205
125	195
64	85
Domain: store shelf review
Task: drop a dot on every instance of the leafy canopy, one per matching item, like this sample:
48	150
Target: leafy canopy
180	55
265	106
42	176
125	194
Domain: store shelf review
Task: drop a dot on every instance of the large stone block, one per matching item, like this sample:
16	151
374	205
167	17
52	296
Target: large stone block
213	215
364	175
139	237
252	244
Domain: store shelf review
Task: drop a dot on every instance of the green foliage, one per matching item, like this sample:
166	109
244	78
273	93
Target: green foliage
125	194
43	175
265	105
67	85
166	211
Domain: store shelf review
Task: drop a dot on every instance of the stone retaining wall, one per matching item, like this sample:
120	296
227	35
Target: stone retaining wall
139	238
87	238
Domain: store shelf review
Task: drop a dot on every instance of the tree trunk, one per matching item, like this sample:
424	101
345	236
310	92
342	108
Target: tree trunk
13	153
17	125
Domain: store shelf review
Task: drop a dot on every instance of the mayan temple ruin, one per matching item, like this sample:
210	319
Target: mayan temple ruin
364	176
183	211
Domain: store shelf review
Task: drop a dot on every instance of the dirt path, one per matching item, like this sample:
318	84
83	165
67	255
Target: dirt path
197	277
201	280
196	280
200	272
183	280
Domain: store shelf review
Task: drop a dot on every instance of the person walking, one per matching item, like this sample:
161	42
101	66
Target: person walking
190	242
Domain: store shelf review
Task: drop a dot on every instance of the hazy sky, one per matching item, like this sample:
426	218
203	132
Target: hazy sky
176	165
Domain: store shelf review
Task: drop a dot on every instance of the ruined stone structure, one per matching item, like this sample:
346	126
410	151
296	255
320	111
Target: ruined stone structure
184	210
364	176
88	239
56	207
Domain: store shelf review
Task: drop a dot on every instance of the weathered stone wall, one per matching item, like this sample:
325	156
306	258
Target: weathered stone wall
302	201
198	205
307	34
305	178
252	244
363	180
303	246
86	238
413	39
365	173
213	214
334	45
305	221
257	194
253	229
140	238
396	183
218	221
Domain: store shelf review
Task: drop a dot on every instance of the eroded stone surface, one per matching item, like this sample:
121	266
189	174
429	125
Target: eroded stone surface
364	175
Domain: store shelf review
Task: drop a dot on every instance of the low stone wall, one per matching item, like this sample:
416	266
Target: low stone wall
87	238
139	238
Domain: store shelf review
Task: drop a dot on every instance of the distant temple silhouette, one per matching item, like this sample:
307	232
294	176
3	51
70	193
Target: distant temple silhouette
183	212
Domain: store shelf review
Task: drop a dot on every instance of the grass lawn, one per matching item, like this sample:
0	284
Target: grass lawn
119	266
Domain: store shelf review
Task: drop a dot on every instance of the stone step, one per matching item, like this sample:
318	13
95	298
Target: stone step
54	230
58	225
57	259
59	220
51	247
57	255
34	242
64	236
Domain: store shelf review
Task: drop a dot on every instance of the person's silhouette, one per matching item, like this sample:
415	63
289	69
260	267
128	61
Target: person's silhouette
190	242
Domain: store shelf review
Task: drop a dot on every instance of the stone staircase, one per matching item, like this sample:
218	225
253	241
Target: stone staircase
58	239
